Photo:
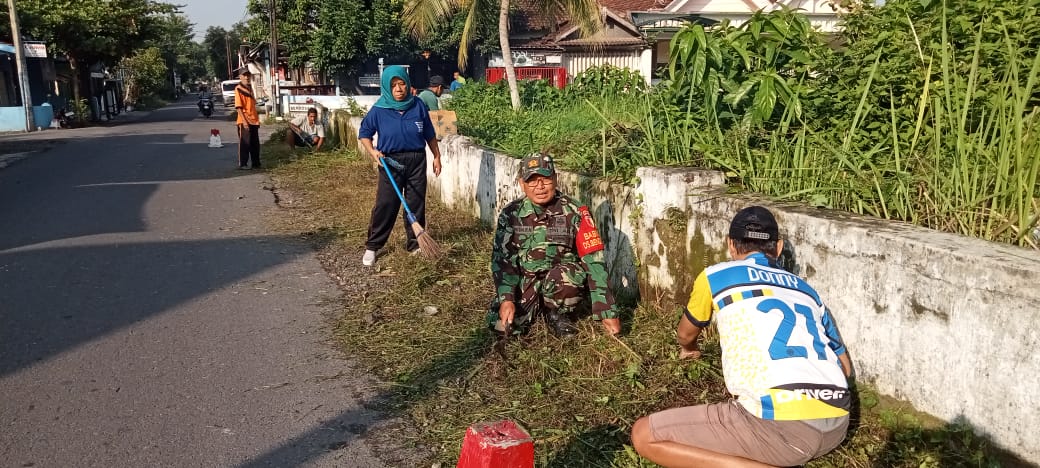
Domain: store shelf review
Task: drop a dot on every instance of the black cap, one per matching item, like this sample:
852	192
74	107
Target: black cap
541	164
754	223
436	80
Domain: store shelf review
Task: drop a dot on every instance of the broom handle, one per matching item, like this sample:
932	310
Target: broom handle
386	167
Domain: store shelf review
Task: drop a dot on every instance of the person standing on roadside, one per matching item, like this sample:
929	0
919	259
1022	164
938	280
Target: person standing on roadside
248	123
404	131
430	94
782	358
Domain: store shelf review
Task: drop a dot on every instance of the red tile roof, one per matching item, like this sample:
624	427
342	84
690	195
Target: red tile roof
527	15
623	7
527	18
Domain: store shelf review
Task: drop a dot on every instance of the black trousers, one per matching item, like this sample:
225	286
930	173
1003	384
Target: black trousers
249	146
412	182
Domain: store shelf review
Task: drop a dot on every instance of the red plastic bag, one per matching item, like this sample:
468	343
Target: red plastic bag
501	444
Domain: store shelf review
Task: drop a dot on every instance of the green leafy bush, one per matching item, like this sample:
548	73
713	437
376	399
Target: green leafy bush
751	73
145	74
606	81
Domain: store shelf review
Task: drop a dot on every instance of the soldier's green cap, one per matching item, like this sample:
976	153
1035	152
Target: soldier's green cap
541	164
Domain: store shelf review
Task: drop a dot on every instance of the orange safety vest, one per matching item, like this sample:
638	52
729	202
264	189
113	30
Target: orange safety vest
246	105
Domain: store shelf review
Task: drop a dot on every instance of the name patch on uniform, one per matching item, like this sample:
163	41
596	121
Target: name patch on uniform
588	237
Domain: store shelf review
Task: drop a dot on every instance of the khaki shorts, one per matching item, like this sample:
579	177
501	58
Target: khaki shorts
730	429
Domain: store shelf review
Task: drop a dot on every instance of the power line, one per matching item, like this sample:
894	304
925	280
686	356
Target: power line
245	12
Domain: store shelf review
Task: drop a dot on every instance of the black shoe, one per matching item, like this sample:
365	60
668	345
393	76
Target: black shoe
243	168
561	325
257	166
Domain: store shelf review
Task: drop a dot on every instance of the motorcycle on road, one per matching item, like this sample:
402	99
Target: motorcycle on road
206	107
66	118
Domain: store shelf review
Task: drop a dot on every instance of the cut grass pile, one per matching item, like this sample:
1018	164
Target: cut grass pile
578	398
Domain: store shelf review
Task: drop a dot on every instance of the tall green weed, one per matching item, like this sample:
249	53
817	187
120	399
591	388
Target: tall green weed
927	113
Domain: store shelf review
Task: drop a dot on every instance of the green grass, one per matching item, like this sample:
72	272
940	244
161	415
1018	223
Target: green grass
578	398
980	181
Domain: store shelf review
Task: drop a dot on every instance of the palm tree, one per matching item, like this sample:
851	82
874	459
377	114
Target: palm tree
421	16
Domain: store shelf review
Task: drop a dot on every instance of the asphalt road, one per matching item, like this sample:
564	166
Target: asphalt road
148	317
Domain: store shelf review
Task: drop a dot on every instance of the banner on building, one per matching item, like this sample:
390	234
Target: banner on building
35	49
297	109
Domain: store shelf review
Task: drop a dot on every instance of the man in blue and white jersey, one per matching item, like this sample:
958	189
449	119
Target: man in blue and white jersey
782	358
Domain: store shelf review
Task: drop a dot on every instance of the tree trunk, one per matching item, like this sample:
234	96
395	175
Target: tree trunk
130	96
507	54
74	66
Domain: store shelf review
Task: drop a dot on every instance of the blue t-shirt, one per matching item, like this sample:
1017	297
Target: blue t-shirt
398	132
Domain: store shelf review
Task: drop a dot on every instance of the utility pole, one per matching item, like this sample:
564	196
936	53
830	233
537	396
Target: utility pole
23	73
273	53
227	44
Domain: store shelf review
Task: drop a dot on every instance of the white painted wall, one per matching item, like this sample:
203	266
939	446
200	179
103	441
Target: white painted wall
638	60
821	13
329	102
946	322
747	6
646	64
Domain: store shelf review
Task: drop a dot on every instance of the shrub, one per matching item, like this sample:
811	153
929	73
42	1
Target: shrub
606	81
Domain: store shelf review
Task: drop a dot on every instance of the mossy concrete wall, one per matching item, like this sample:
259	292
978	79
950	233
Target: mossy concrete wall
948	323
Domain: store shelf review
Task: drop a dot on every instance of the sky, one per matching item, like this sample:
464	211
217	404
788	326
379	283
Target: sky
206	13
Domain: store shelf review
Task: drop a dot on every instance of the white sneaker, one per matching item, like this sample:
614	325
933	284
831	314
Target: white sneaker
369	259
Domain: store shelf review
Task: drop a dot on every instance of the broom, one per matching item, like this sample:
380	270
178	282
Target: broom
305	138
427	246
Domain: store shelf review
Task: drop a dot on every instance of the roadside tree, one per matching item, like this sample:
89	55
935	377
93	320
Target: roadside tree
421	17
145	74
216	43
91	31
179	51
335	36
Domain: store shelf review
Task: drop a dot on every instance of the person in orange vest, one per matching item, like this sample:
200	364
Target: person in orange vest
248	123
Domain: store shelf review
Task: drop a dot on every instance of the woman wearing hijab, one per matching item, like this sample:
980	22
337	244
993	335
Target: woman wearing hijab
404	130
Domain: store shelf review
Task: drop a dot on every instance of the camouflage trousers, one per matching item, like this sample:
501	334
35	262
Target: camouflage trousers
556	291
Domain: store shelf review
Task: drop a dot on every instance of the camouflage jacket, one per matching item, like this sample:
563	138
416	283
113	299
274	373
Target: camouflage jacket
530	239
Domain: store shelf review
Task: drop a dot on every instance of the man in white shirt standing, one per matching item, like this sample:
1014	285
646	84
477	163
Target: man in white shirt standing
306	131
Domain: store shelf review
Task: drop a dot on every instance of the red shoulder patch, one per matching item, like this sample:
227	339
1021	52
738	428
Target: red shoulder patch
588	237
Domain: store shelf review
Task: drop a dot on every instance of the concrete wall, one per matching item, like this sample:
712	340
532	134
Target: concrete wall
820	13
948	323
637	60
12	119
329	102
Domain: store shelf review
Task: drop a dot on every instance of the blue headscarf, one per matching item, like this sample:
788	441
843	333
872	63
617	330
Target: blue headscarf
386	98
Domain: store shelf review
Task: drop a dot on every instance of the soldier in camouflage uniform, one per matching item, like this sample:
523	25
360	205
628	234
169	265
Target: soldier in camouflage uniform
547	258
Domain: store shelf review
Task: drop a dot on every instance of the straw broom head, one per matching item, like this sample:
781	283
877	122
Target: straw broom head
428	247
